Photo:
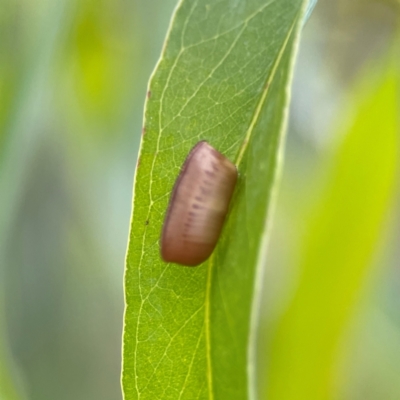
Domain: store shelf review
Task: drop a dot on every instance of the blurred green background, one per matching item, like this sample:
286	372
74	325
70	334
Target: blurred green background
73	77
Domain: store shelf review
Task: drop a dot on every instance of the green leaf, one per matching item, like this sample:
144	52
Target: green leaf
341	239
223	77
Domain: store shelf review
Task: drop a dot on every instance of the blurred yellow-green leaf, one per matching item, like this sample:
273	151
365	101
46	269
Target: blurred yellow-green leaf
341	238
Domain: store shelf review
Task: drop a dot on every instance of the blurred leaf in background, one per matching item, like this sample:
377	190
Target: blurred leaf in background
359	340
337	250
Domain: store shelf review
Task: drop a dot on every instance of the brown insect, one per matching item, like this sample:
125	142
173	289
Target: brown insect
198	206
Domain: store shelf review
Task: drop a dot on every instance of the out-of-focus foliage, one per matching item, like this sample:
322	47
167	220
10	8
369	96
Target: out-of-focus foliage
336	252
331	328
73	77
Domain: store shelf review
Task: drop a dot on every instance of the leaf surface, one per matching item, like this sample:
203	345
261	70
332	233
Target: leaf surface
223	77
